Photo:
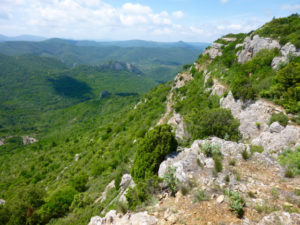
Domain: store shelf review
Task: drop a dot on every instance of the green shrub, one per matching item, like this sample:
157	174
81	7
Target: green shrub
80	181
137	195
211	150
232	162
199	196
213	122
236	203
218	163
245	154
58	204
280	118
291	160
171	180
256	148
258	124
118	179
152	150
209	82
242	88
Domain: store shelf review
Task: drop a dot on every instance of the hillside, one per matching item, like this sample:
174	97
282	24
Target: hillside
157	60
217	145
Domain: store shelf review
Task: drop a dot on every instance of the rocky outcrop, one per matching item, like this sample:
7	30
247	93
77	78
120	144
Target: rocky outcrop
28	140
126	182
287	50
253	46
186	162
276	218
229	39
214	51
114	218
249	114
177	122
218	88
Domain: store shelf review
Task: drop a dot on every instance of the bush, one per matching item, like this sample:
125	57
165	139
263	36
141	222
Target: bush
79	182
237	203
280	118
118	179
256	148
210	150
245	154
218	163
213	122
156	145
171	180
199	196
58	204
137	195
291	160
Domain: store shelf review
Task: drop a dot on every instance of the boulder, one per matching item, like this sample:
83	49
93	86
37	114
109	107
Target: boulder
286	50
280	218
114	218
28	140
126	182
253	46
276	127
220	199
214	51
177	122
218	89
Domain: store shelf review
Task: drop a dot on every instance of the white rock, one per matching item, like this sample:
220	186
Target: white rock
280	218
214	51
112	218
252	47
276	127
220	199
177	122
2	202
76	157
28	140
229	39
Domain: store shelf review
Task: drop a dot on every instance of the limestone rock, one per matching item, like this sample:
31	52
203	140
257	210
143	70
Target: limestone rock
220	199
113	218
177	122
76	157
217	88
28	140
276	127
214	51
229	39
126	182
280	218
286	50
253	46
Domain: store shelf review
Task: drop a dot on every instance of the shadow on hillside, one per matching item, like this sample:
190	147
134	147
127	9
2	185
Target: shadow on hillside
70	87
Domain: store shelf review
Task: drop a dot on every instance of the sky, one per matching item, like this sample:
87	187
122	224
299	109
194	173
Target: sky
156	20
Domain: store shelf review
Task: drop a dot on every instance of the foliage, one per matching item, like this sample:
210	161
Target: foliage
256	148
153	148
199	196
79	182
211	150
118	179
58	204
285	29
286	88
171	180
245	154
213	122
236	203
291	160
280	118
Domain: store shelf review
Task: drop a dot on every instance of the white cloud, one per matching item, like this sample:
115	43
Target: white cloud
196	30
178	14
290	7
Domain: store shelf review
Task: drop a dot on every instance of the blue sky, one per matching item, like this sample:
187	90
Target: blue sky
163	20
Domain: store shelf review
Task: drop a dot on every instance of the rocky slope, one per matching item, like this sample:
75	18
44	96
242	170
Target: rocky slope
248	178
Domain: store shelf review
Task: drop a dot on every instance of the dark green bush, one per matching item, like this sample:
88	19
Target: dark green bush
280	118
58	204
152	150
237	203
79	182
256	148
171	180
213	122
245	154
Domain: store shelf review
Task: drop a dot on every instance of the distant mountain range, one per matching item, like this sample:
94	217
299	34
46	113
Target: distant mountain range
128	43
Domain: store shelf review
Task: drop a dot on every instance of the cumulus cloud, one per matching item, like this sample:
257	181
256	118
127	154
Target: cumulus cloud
96	19
178	14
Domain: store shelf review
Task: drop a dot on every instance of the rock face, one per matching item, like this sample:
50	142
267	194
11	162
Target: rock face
271	138
177	121
126	182
218	89
280	218
286	50
28	140
113	218
186	162
276	127
253	46
214	51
